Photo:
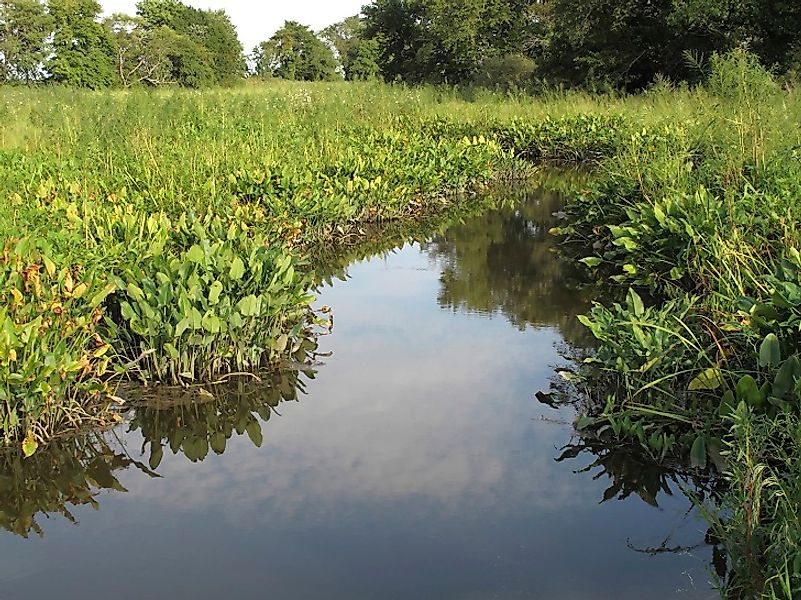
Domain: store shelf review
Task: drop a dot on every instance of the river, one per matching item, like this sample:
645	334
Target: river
416	463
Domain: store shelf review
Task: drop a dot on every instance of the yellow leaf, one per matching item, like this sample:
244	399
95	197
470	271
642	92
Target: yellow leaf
29	445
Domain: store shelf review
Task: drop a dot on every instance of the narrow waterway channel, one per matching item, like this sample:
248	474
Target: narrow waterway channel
417	462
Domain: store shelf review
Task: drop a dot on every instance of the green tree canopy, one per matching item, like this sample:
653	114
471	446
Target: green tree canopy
83	53
202	45
296	53
25	26
358	56
448	40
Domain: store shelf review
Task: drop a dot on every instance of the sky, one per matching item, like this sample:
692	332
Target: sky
257	20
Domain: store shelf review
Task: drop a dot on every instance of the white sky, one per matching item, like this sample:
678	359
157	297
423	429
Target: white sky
257	20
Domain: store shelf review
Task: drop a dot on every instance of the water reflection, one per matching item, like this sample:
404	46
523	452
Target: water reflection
504	262
417	465
196	421
55	481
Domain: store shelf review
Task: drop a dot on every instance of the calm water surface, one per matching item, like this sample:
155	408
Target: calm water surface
416	464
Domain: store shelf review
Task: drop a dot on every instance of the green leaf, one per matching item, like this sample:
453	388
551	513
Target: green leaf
218	442
698	453
627	243
99	297
727	404
215	291
195	254
748	391
182	326
787	375
635	303
211	323
591	261
250	306
708	380
156	454
237	270
280	343
254	433
770	353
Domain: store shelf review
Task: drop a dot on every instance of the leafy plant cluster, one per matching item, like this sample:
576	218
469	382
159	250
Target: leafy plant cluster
699	218
164	242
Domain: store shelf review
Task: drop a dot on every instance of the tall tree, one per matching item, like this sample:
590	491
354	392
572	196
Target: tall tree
296	53
398	28
448	40
144	55
24	29
206	42
214	30
83	52
358	57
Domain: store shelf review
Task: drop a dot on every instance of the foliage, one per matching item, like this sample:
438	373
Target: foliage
24	28
506	72
83	53
201	45
358	57
418	41
191	423
181	219
295	53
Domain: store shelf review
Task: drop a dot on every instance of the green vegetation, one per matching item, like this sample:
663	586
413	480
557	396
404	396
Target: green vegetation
161	236
696	214
502	44
164	235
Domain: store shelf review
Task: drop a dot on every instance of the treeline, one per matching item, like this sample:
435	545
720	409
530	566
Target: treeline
617	43
496	43
167	42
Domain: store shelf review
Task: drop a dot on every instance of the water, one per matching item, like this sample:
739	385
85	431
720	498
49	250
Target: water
416	464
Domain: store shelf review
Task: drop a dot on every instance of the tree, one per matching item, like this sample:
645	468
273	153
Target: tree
358	56
24	29
296	53
83	53
143	55
206	48
448	40
214	31
362	63
627	43
397	27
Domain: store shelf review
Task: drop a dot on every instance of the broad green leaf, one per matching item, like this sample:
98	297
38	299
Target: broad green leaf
156	455
786	377
591	261
195	254
254	433
237	270
215	291
218	442
748	391
281	343
182	326
635	303
770	353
